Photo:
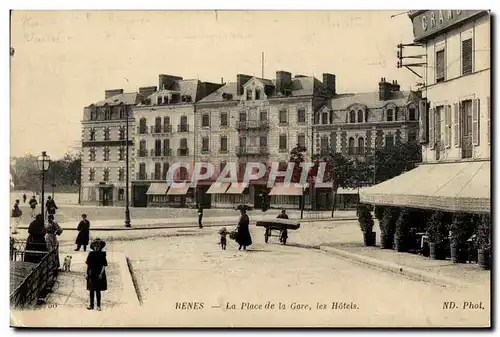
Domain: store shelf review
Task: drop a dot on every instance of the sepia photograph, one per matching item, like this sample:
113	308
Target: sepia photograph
250	168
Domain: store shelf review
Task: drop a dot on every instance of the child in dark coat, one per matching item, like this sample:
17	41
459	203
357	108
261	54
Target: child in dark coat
96	272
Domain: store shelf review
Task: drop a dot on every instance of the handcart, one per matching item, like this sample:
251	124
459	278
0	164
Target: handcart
281	225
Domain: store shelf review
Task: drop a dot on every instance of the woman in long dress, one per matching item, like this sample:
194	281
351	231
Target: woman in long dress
243	233
82	239
36	240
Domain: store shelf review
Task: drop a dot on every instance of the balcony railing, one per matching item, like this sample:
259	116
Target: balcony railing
142	153
142	130
156	176
251	150
141	176
182	152
160	129
161	153
183	128
252	125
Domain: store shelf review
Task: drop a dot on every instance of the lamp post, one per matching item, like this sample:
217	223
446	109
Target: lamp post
127	210
43	163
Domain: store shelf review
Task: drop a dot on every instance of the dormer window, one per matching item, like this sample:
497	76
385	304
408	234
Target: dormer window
352	116
324	117
360	116
412	114
257	93
249	94
390	115
160	100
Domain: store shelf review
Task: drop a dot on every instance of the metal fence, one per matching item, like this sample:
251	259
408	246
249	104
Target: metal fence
40	278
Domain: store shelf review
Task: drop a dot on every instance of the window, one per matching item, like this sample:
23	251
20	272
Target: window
121	194
205	120
93	114
121	174
263	115
257	93
157	147
283	145
92	154
121	133
249	94
301	115
107	113
223	144
143	127
243	142
166	147
142	148
92	134
390	115
361	145
467	133
360	116
412	114
166	124
106	154
324	144
467	56
283	116
366	116
106	133
223	119
142	171
282	166
412	136
165	171
324	117
121	153
352	116
121	112
301	139
157	124
351	146
243	116
157	175
263	141
105	176
183	127
160	100
440	66
389	140
204	144
183	143
92	174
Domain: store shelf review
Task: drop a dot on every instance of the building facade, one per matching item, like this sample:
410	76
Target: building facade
355	125
455	128
104	142
165	134
257	120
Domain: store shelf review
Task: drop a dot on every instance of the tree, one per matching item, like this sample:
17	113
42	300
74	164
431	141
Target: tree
391	161
297	157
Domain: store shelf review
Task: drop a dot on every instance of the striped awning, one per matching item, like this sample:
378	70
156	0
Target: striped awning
453	187
286	189
178	190
157	189
237	188
218	188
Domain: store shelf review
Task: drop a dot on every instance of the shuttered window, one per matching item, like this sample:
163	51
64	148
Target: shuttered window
467	56
432	138
447	126
456	125
423	122
475	122
440	66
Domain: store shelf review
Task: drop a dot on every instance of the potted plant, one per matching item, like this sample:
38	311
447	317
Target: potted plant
402	230
365	220
388	226
459	233
484	242
437	235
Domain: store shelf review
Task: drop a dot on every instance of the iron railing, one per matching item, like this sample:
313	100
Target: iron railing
248	125
251	150
40	278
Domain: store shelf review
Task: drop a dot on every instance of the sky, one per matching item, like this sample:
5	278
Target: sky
65	60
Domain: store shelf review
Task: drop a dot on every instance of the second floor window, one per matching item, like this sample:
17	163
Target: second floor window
283	143
106	153
92	134
166	147
301	139
301	115
223	144
243	142
361	145
92	154
223	119
142	171
121	133
157	171
105	175
283	116
351	146
205	120
389	140
324	144
440	66
467	56
204	144
157	124
92	174
121	174
121	153
184	124
166	124
106	133
143	127
166	166
263	141
263	115
243	116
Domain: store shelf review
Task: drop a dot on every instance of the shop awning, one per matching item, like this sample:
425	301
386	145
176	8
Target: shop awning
178	190
218	188
451	187
347	191
236	188
286	189
157	189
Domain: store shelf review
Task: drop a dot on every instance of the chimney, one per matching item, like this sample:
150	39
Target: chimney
240	82
147	91
222	80
166	81
384	89
112	92
395	86
283	81
329	83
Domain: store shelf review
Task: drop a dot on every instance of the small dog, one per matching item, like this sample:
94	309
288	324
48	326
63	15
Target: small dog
67	263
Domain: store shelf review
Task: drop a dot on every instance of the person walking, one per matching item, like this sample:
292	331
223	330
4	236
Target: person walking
24	198
33	204
16	214
36	240
200	216
51	207
82	239
243	232
52	231
96	272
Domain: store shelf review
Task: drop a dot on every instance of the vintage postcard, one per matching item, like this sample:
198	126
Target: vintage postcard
250	168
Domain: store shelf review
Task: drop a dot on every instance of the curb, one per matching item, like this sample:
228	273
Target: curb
128	284
394	268
185	225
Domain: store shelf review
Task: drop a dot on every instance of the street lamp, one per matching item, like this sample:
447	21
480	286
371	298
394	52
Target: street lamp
43	163
127	210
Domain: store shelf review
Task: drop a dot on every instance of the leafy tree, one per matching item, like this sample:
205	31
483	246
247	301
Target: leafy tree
391	161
